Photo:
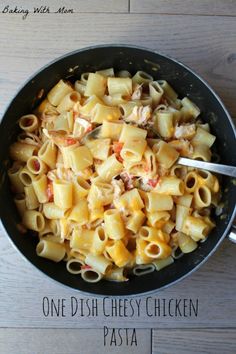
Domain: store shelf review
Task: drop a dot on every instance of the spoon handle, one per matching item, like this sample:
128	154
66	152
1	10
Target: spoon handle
209	166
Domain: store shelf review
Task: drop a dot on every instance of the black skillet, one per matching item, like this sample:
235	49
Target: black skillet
185	82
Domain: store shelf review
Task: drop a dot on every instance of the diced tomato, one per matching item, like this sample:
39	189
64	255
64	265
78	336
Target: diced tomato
70	141
50	193
86	267
36	165
117	147
153	182
119	158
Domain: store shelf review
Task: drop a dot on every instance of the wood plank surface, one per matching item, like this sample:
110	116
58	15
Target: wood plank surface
200	7
74	341
24	288
78	6
186	341
196	41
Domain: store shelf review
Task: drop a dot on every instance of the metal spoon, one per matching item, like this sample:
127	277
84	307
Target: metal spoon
209	166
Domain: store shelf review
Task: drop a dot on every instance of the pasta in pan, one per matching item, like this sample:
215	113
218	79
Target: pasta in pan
114	202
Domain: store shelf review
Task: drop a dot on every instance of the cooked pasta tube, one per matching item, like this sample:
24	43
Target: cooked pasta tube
99	148
26	177
21	151
181	214
170	186
53	212
190	107
99	263
109	168
179	171
106	72
141	256
88	106
36	166
74	266
156	92
202	137
158	202
119	85
31	199
111	130
168	90
158	250
99	241
101	113
201	152
33	220
91	275
158	218
58	92
50	250
185	200
202	197
80	212
100	193
80	158
143	269
68	101
168	227
142	77
81	239
113	224
133	150
191	182
29	123
48	153
96	85
130	200
165	154
196	228
186	243
151	234
127	108
130	132
63	196
80	86
20	203
14	176
162	263
208	179
135	221
40	185
119	253
163	124
80	189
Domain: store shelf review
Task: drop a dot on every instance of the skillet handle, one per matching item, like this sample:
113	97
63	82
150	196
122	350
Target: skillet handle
232	235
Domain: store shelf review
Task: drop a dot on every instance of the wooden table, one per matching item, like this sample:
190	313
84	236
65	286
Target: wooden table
202	34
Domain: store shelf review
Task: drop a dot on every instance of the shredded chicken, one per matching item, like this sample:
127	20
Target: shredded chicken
140	115
137	92
185	131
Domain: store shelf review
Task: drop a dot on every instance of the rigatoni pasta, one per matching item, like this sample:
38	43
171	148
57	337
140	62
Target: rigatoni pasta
115	200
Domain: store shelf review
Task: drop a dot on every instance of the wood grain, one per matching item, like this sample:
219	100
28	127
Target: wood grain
200	7
196	41
72	341
24	288
185	341
78	6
